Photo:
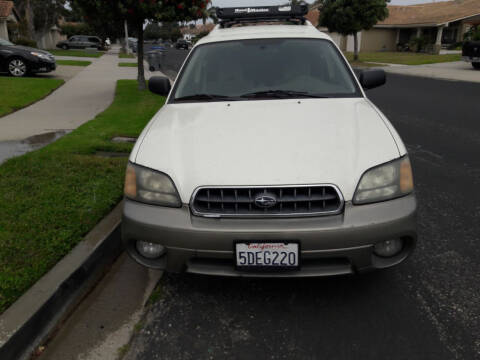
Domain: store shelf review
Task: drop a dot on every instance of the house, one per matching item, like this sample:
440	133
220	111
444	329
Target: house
8	15
440	23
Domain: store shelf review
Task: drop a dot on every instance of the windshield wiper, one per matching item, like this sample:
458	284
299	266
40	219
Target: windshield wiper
207	97
282	94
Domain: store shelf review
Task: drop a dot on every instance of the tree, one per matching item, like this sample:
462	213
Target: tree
348	17
39	15
137	12
166	30
153	31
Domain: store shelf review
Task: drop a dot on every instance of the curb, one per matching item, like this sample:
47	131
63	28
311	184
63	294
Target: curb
36	314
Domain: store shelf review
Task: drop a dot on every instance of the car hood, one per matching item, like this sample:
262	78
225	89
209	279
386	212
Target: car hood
273	142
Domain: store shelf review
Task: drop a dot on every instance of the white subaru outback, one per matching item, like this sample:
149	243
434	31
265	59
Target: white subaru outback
269	160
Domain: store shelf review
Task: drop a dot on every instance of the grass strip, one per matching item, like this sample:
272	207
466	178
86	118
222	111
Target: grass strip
404	58
51	198
17	93
77	53
73	62
128	64
126	56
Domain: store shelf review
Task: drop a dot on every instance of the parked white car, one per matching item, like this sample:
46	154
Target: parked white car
269	160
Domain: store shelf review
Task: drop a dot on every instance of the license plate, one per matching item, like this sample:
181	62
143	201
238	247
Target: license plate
267	255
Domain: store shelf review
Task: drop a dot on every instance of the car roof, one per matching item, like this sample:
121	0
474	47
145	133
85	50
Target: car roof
263	32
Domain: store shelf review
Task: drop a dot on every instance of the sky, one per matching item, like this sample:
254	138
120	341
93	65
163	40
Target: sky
227	3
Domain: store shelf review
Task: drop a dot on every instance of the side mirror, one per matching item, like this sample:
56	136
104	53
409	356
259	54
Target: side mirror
159	85
370	79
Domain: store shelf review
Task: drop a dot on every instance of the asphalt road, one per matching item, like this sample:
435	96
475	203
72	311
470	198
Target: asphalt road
426	308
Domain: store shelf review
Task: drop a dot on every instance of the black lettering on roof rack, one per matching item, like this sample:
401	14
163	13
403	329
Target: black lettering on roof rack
231	16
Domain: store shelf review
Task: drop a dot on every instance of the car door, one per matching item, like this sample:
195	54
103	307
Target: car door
74	42
85	42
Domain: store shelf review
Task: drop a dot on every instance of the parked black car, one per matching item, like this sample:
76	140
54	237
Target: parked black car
82	42
181	44
20	61
471	53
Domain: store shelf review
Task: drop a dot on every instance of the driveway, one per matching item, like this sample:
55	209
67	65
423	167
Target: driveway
63	72
427	308
455	71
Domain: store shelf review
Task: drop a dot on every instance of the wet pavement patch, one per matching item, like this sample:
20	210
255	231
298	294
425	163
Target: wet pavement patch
124	139
14	148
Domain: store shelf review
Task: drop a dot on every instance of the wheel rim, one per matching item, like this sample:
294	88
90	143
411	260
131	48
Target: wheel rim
17	67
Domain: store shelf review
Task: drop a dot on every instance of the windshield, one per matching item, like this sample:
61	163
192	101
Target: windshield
5	42
265	69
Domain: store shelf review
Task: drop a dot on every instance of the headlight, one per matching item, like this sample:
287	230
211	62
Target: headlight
40	55
151	187
385	182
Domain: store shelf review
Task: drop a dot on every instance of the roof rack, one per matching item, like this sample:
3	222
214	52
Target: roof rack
236	15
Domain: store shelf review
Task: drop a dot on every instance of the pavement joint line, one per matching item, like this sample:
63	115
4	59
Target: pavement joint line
32	318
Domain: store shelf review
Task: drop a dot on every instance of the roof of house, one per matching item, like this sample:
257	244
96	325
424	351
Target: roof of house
6	8
435	13
432	13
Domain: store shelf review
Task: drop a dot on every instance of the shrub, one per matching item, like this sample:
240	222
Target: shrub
455	46
473	34
417	44
71	29
26	42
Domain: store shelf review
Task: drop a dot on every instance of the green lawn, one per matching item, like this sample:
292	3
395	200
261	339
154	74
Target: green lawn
126	56
405	58
73	62
127	64
51	198
20	92
77	53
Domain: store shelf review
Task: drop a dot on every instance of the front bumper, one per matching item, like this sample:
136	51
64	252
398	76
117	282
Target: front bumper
42	66
331	245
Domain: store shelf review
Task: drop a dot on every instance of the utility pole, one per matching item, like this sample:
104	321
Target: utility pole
127	48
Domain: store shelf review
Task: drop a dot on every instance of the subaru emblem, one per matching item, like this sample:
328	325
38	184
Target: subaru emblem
265	201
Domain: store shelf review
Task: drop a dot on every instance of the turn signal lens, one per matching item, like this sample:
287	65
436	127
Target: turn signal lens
406	176
130	189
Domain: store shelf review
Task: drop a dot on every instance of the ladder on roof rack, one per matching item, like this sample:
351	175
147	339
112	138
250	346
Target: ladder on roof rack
232	16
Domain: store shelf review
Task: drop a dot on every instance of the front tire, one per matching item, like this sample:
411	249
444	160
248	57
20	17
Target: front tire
476	65
65	47
17	67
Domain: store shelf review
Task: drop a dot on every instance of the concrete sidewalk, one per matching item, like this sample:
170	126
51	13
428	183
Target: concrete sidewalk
79	100
454	71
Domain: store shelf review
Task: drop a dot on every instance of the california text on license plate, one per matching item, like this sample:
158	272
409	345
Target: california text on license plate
267	255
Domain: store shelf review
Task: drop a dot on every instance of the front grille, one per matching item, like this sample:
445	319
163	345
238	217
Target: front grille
314	200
